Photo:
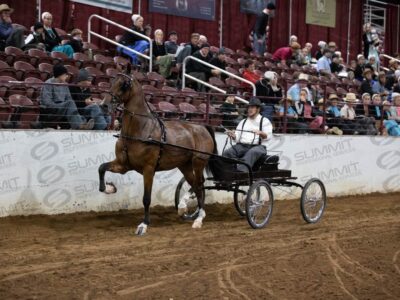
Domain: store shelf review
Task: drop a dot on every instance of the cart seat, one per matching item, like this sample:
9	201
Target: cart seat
266	163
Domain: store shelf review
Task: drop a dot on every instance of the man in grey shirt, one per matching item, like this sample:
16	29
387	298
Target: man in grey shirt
58	102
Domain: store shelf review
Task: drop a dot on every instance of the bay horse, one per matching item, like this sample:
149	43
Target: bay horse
136	150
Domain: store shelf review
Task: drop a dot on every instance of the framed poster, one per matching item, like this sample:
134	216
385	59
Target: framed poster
196	9
119	5
254	6
321	13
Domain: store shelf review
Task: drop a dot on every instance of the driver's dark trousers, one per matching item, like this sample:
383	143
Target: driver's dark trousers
248	153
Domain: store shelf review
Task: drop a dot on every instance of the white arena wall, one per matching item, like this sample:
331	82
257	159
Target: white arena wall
52	172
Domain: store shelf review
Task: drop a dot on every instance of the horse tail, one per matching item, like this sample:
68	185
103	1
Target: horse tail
212	133
215	150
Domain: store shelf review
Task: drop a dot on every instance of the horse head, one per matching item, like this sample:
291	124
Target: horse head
126	88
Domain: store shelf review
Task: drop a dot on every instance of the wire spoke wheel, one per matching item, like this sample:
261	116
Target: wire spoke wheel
239	198
184	196
313	200
259	204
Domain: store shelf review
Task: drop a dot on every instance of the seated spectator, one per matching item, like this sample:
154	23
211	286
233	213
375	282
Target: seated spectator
304	109
147	30
304	57
347	112
376	107
324	63
396	87
202	40
390	75
294	90
332	47
360	67
231	116
391	120
285	55
9	36
321	46
219	60
270	92
293	125
293	39
373	64
83	100
58	103
333	110
189	48
76	40
134	41
336	67
36	38
367	84
396	106
248	73
162	59
52	40
365	108
199	70
379	86
172	44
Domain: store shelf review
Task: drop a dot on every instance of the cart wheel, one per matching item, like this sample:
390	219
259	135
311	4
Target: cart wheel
184	196
259	203
313	200
239	198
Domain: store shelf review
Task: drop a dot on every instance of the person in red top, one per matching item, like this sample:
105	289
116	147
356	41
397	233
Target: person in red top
286	53
249	74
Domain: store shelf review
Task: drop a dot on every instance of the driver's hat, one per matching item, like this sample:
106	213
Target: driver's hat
254	101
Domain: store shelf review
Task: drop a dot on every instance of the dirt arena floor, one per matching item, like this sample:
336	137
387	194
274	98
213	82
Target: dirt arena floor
353	253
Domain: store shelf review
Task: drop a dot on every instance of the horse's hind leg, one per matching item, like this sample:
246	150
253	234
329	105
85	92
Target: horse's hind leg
198	186
112	166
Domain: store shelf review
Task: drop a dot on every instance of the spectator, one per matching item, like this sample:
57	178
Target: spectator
336	67
286	54
58	103
367	84
333	110
376	107
293	39
76	40
36	38
189	48
52	40
365	109
367	39
319	53
162	59
84	102
379	86
9	36
396	87
391	119
231	117
332	47
347	112
304	109
249	74
219	59
390	75
172	44
304	57
359	70
202	40
134	41
395	109
270	92
294	90
148	30
372	64
293	125
260	29
324	63
199	70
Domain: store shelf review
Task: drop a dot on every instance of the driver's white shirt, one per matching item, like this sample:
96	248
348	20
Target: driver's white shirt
250	125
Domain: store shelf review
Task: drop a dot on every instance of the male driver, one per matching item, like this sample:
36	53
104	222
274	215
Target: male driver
248	136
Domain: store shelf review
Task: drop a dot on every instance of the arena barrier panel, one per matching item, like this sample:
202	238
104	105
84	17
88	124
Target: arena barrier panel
53	172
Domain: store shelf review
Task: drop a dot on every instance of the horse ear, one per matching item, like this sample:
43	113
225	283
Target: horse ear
128	69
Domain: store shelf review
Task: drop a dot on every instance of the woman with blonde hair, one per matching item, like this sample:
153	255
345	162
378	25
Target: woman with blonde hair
160	55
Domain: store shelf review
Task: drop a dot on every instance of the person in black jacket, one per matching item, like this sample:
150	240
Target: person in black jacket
219	61
76	40
260	29
366	85
270	92
52	40
367	39
134	41
199	70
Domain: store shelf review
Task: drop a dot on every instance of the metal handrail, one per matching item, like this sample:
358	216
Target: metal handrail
184	75
390	57
90	32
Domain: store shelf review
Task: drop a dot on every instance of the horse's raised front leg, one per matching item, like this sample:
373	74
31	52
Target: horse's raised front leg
148	175
112	166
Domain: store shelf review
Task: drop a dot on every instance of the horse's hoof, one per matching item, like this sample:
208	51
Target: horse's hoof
141	229
110	188
197	224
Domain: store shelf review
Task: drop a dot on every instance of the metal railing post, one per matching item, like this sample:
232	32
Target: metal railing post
90	32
